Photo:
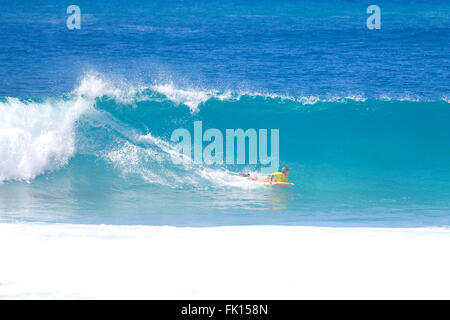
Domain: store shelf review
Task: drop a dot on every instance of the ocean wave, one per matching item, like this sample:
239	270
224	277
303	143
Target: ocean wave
129	127
95	85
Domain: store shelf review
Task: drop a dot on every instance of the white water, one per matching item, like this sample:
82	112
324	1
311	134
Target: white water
256	262
37	136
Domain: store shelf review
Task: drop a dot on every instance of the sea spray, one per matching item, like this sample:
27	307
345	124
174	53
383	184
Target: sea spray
37	136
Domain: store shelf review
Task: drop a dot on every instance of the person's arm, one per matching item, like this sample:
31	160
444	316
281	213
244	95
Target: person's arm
270	179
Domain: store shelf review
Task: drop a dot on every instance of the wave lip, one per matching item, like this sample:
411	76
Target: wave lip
95	85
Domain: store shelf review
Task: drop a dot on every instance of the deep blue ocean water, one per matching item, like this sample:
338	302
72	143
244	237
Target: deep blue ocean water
86	115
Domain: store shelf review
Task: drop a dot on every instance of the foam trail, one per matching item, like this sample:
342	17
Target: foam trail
153	163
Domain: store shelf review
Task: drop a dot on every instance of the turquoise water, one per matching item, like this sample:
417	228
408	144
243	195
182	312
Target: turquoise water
86	115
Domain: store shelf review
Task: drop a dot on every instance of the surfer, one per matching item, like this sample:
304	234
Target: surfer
274	177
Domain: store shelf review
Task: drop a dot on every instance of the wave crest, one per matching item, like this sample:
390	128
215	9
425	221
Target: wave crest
37	136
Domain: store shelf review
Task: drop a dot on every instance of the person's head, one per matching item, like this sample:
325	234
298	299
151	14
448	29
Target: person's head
285	170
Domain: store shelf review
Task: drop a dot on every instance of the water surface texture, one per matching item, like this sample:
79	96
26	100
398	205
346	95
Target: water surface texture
86	115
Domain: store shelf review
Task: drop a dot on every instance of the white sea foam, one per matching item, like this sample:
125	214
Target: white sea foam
252	262
147	163
152	161
195	174
95	85
37	136
190	98
403	98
